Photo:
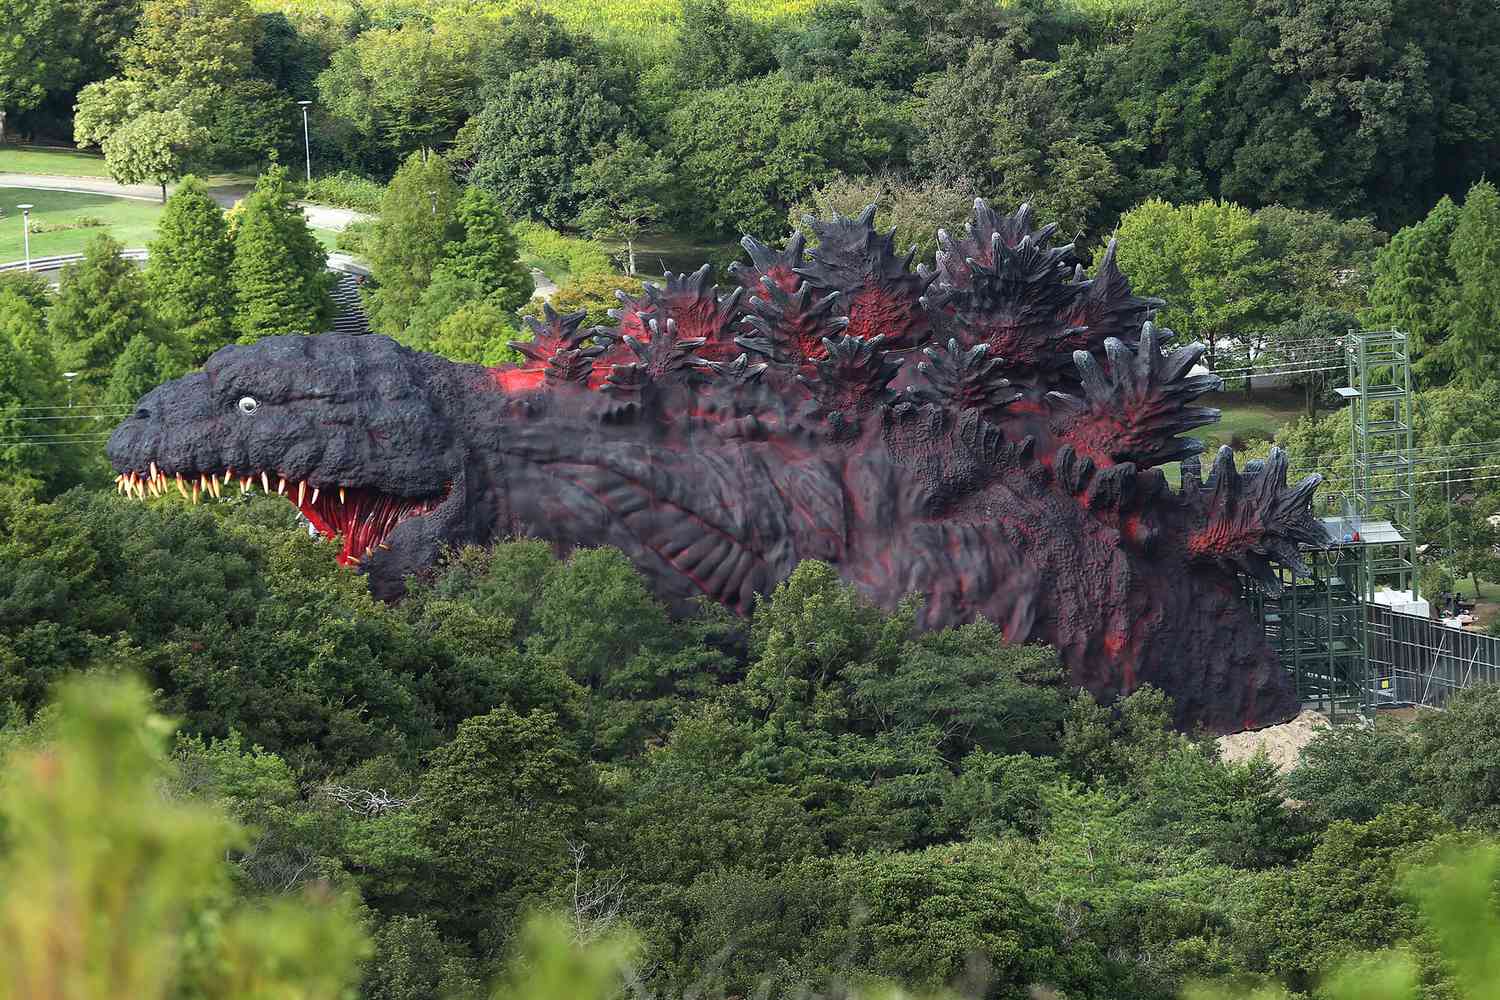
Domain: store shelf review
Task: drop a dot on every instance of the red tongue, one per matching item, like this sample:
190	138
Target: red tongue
364	519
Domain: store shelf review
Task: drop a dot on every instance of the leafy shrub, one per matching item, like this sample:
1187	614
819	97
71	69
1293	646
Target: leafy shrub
345	189
354	239
578	257
594	294
81	222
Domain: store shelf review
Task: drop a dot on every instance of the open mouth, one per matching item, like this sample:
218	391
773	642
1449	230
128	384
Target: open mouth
363	518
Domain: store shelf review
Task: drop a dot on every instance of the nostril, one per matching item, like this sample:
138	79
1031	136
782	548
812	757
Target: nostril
141	413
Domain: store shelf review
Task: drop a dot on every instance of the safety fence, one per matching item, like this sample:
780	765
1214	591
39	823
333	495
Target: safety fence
1419	661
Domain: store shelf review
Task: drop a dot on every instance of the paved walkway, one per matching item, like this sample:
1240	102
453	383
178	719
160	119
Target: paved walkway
318	216
545	286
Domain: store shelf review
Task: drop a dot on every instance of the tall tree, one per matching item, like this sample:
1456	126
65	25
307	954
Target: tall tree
141	367
1324	260
916	210
486	252
404	88
154	146
1207	262
1415	289
625	189
415	226
28	380
748	152
192	45
1475	256
1020	131
39	42
189	259
716	46
279	275
120	915
102	305
542	124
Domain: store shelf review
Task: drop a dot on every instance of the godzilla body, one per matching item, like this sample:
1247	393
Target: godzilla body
986	434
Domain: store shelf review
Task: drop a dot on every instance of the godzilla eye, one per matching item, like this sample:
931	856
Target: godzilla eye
248	405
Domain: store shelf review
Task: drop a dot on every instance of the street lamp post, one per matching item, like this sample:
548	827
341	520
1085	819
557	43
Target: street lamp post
68	377
306	142
26	231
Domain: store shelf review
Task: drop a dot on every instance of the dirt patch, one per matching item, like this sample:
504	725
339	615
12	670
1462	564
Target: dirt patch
1283	744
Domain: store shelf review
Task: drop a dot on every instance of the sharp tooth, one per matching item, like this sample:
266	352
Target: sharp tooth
153	470
228	475
195	493
214	487
301	492
341	494
265	481
384	547
315	496
281	487
182	487
244	486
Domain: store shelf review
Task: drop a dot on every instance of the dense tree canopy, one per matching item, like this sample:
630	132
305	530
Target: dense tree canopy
750	151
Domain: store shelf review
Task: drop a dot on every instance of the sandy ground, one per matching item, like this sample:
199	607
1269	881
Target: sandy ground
1283	743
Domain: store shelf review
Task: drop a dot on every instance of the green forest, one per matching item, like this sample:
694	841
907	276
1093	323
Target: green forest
230	773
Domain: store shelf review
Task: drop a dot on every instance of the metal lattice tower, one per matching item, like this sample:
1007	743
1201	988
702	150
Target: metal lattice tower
1381	437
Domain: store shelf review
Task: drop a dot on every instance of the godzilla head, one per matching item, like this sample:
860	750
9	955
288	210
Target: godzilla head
356	432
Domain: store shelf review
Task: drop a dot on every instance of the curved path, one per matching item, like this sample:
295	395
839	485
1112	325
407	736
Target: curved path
318	216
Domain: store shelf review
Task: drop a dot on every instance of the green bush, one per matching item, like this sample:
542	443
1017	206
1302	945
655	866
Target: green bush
593	294
345	189
559	253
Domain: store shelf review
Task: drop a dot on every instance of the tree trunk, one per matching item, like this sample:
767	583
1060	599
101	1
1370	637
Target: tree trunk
163	192
1475	574
630	256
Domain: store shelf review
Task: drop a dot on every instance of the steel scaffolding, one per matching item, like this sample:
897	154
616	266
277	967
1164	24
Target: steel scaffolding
1381	438
1317	626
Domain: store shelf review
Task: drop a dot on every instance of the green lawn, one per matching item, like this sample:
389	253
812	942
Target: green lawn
1243	424
1247	421
131	222
128	220
57	162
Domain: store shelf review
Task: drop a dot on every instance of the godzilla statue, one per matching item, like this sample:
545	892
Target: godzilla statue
988	434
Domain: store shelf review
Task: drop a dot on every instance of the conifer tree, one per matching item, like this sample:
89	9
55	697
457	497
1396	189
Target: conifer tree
1415	290
28	378
280	278
487	253
1475	256
416	224
190	258
101	306
141	367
